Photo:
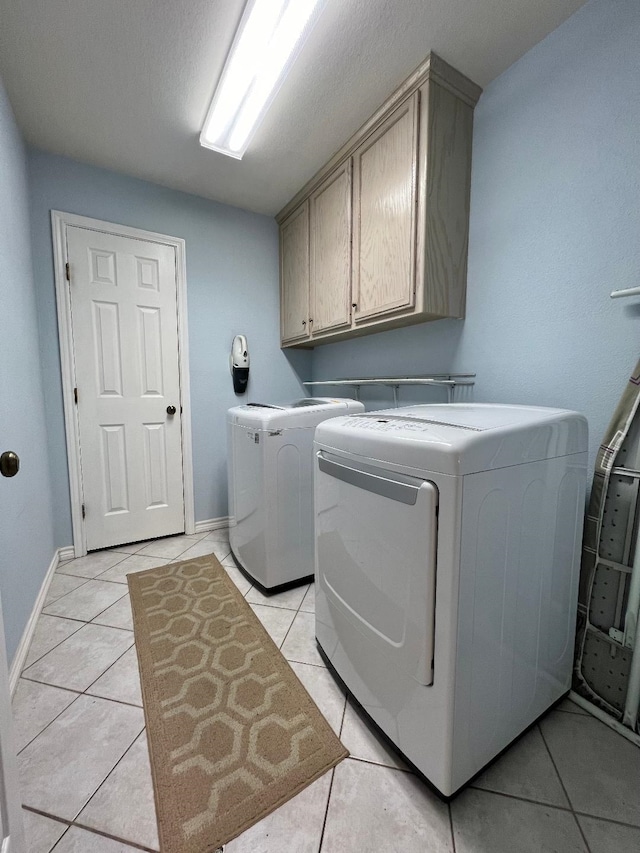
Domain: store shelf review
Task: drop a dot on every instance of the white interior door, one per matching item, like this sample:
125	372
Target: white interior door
125	339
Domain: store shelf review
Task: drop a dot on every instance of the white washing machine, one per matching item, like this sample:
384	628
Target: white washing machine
447	558
270	476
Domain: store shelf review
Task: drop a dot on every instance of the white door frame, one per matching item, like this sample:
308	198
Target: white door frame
60	221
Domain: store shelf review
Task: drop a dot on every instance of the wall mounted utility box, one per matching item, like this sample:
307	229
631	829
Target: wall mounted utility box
378	238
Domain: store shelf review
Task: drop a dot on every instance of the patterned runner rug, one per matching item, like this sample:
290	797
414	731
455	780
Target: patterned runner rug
232	732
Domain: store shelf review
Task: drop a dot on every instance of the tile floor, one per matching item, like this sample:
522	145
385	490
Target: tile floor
571	784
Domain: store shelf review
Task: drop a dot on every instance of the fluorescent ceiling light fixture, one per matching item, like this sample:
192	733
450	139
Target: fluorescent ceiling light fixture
267	42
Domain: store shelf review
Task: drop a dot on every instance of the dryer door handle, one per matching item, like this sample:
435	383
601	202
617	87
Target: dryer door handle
386	487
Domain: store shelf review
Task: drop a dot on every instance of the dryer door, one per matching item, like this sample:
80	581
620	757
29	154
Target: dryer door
376	537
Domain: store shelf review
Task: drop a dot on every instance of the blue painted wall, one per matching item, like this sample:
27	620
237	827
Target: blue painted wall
26	528
555	226
232	288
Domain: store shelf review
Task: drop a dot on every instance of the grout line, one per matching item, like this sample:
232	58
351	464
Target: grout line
326	811
126	592
111	665
82	580
50	721
566	793
101	783
81	625
88	800
379	764
344	713
608	820
453	837
102	833
83	693
522	799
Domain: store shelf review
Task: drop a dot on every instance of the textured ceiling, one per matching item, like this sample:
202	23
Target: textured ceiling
125	84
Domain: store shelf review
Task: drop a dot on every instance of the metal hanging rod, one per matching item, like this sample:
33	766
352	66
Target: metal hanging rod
441	380
629	291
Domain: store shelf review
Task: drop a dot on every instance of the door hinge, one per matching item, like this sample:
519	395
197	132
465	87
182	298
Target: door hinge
75	396
68	274
84	512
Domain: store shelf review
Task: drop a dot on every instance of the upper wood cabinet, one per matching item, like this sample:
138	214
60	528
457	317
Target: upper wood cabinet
387	219
384	232
294	275
330	240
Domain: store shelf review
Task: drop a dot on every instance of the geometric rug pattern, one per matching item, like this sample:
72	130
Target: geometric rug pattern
232	732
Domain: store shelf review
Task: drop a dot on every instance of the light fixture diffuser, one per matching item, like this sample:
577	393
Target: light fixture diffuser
266	44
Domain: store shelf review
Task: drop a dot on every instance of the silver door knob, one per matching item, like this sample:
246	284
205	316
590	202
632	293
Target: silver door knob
9	463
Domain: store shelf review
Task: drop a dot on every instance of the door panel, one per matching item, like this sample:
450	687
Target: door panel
123	306
330	218
294	275
385	199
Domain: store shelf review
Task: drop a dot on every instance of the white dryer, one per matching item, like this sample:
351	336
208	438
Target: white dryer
270	478
447	560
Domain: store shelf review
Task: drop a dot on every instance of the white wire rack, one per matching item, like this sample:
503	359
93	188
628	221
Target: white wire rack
629	291
439	380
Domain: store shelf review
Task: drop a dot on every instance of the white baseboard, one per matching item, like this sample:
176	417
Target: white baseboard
68	553
27	635
212	524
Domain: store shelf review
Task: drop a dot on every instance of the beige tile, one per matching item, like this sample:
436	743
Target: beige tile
201	549
118	615
169	548
600	769
121	681
222	550
80	841
50	632
485	821
375	808
64	765
324	691
134	563
525	770
309	603
605	837
294	826
238	579
300	644
221	534
86	601
363	741
291	599
34	707
79	660
124	805
93	564
276	621
41	833
61	585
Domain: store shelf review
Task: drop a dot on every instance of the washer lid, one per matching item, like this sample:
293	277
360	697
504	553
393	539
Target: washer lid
458	438
306	412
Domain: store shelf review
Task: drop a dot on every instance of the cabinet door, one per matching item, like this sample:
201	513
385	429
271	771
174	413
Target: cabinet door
330	218
294	275
384	231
